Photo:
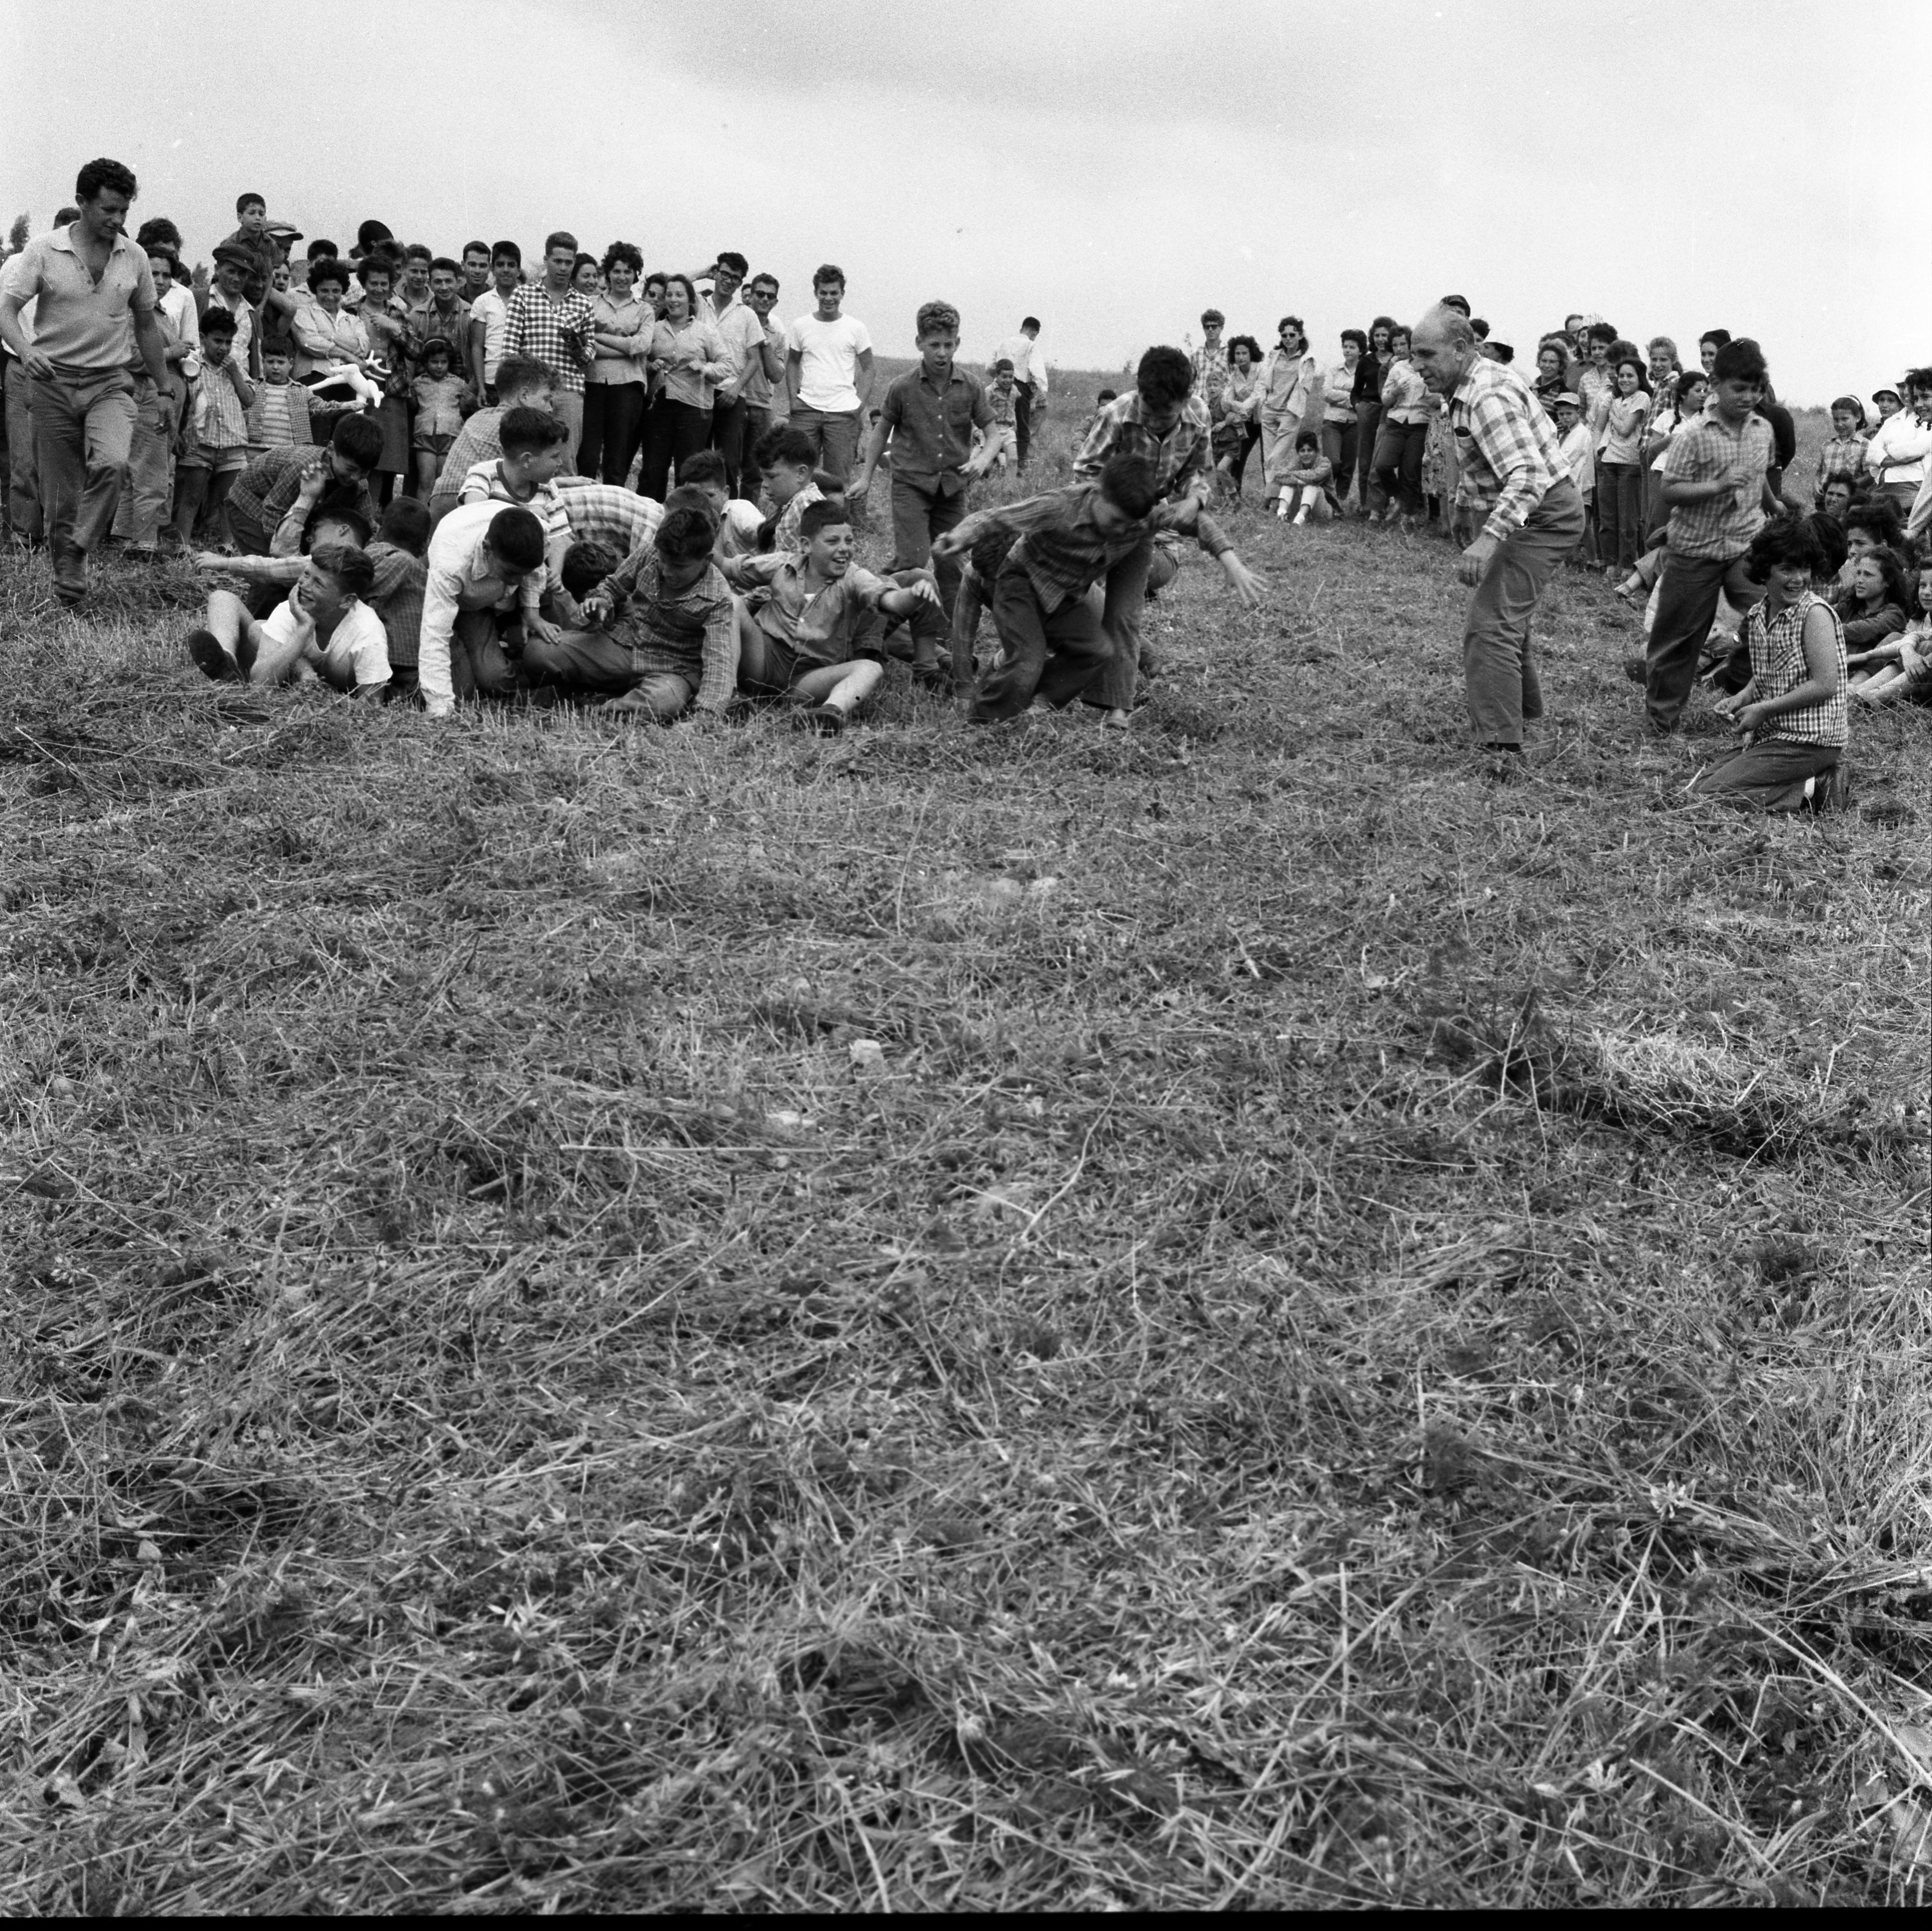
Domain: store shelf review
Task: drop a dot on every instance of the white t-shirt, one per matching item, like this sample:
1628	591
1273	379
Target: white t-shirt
738	534
828	353
493	312
357	653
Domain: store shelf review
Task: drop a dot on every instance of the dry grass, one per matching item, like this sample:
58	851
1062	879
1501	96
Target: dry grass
1362	1337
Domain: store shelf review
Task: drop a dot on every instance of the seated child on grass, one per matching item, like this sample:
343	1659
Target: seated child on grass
1872	607
785	458
802	629
440	396
1909	677
661	629
326	629
1304	495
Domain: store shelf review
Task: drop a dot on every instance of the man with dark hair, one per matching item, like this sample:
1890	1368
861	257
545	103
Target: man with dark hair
755	349
829	371
441	315
1162	423
477	558
490	319
552	322
1029	360
1517	477
1055	641
1717	487
95	312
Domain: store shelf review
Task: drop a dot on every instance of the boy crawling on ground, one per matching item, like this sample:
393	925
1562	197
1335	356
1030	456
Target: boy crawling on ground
324	630
800	627
661	629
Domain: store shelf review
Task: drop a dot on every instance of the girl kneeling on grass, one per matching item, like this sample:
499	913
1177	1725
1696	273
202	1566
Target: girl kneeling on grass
1903	668
1792	713
324	630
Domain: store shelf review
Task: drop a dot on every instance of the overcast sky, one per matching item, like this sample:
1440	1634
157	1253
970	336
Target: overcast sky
1112	165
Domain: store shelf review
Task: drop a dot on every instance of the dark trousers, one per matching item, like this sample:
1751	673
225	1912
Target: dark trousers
1368	414
729	424
1768	776
1686	600
1338	445
1237	460
1398	448
1620	513
920	513
613	425
673	431
1022	421
1112	689
1052	654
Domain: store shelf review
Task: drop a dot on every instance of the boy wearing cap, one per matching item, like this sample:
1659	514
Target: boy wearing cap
228	289
1573	439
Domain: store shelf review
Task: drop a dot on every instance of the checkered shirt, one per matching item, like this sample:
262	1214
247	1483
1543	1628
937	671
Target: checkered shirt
397	597
1184	453
1777	646
535	328
608	513
1509	454
689	633
220	422
1843	455
1703	450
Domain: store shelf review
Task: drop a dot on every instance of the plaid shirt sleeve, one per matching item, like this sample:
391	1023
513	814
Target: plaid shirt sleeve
1518	458
720	682
1093	453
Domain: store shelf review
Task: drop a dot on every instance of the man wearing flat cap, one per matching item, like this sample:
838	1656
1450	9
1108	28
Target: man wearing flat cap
228	289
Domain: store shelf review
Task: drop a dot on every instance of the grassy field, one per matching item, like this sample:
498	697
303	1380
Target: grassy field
1244	1313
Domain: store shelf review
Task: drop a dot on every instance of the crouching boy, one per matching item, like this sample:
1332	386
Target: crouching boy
661	630
1054	642
325	629
477	560
799	628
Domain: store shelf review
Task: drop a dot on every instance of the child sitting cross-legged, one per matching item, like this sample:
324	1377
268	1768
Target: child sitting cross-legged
1908	674
1304	491
660	628
801	628
325	629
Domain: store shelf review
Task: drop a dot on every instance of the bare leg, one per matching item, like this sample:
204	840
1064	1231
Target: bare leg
844	687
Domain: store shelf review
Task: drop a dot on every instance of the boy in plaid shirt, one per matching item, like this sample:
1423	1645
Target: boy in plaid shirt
661	629
215	447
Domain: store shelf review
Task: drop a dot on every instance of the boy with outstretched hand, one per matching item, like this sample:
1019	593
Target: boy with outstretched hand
799	630
325	629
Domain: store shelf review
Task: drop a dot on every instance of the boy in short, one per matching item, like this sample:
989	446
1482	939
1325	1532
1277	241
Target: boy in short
439	395
214	448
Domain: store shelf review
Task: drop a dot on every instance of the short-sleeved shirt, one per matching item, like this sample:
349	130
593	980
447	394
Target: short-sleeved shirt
493	312
84	327
828	353
1702	451
244	321
358	650
219	421
932	425
478	441
817	622
536	328
742	330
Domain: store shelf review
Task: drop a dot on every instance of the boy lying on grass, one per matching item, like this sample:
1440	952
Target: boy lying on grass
324	630
661	630
800	627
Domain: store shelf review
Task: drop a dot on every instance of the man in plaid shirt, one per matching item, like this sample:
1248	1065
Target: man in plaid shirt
549	322
1164	425
1514	475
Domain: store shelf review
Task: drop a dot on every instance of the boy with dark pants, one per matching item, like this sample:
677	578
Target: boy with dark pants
1718	494
1054	642
929	414
801	631
662	627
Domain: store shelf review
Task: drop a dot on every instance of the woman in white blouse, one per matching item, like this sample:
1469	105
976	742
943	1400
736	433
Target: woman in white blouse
692	359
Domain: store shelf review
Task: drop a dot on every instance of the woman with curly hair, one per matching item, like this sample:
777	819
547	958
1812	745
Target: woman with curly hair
615	389
1236	426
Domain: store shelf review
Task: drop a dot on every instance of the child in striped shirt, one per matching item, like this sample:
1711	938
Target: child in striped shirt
215	448
279	419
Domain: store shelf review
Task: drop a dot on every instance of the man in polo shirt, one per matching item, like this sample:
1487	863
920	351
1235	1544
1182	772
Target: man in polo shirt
1515	474
756	350
929	414
95	309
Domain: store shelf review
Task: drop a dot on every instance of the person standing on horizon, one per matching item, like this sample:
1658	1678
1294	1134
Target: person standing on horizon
551	322
1513	470
829	373
1029	362
95	311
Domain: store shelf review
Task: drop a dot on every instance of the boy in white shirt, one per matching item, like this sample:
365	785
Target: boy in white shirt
490	316
324	630
1574	438
829	372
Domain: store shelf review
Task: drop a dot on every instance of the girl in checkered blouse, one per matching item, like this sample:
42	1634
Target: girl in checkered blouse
1792	713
